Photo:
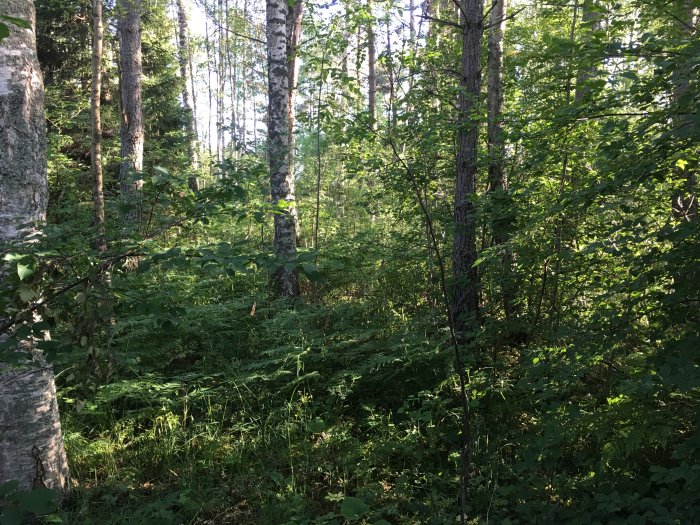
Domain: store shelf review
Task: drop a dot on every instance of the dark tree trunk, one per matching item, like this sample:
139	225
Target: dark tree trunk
96	156
685	202
372	66
591	20
498	181
132	131
465	304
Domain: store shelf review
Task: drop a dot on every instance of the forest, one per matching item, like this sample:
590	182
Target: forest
336	262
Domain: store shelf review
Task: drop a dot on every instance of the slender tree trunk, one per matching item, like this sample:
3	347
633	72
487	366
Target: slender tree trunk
412	21
498	181
319	168
281	180
244	87
207	44
391	106
685	203
591	19
497	178
372	66
294	17
465	302
346	38
221	77
31	444
234	50
185	61
132	131
554	306
96	156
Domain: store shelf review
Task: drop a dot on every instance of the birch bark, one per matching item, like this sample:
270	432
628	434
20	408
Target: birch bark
281	179
31	444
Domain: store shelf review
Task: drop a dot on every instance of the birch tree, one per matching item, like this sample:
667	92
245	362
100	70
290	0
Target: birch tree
31	444
281	179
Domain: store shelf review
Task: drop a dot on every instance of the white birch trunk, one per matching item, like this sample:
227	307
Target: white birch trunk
31	445
281	180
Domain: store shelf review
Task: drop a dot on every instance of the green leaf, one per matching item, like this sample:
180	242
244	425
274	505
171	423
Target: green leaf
4	31
11	515
16	21
24	271
353	508
381	522
317	425
26	294
311	271
38	501
8	487
680	163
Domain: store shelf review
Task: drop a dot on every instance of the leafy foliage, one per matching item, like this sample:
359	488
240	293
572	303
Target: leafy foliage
191	394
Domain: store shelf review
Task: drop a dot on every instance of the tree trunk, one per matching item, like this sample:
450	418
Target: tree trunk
497	179
210	113
96	156
294	16
31	445
372	67
465	304
132	131
591	20
281	180
221	77
185	59
685	203
498	182
244	87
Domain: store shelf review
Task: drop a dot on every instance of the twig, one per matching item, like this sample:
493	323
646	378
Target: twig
509	17
442	21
